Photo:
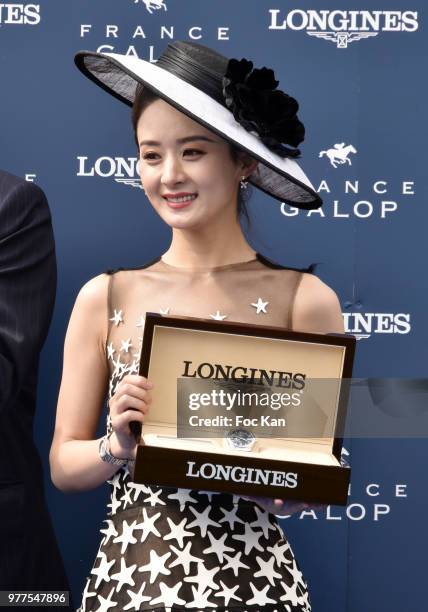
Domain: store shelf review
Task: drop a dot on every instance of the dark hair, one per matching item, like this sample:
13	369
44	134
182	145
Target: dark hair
144	96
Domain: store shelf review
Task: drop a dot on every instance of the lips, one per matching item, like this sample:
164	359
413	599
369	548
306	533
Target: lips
179	194
179	200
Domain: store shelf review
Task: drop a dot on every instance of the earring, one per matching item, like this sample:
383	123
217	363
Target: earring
243	182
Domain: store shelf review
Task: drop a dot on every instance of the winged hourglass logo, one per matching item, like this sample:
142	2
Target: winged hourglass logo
152	5
342	39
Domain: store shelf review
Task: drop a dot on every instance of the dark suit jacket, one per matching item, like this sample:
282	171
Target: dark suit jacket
29	556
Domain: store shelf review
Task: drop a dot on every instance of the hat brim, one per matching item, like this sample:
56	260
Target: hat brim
119	75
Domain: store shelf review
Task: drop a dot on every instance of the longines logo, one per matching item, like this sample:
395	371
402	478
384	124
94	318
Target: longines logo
244	375
121	169
217	471
363	325
343	27
15	14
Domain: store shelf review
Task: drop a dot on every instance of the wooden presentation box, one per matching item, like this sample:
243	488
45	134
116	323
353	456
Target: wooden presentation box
301	460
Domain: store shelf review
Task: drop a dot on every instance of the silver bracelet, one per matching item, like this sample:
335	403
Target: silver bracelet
105	452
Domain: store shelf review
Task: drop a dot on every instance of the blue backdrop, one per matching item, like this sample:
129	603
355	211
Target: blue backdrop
358	73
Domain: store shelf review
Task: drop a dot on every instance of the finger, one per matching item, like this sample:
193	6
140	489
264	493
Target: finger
140	381
134	391
124	402
121	422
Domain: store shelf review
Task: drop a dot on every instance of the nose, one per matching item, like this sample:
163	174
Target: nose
172	171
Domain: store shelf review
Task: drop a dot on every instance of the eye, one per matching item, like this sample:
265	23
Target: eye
193	152
149	156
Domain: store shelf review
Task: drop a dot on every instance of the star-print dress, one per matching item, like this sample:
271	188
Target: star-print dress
165	548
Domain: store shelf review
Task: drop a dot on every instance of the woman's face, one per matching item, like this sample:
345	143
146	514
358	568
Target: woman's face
186	170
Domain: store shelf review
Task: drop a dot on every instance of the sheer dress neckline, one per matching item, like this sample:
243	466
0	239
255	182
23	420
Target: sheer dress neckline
209	268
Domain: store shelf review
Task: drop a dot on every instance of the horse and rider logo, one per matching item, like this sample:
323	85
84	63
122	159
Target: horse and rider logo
339	154
152	5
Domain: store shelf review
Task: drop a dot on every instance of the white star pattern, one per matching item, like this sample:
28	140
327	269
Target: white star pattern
202	521
124	576
126	498
169	595
136	599
110	532
295	572
164	311
227	593
114	480
204	577
148	525
200	599
290	594
263	522
278	551
217	316
266	570
153	498
259	597
260	306
183	496
125	345
141	321
106	603
133	368
110	351
184	558
126	536
230	517
101	572
156	565
118	366
138	489
114	504
117	317
217	547
234	563
86	594
177	531
250	538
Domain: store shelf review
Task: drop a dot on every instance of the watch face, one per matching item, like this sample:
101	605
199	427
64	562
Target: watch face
240	439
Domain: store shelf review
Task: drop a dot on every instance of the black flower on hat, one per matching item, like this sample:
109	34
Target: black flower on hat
251	95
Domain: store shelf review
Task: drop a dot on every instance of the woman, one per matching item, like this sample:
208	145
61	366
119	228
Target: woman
212	126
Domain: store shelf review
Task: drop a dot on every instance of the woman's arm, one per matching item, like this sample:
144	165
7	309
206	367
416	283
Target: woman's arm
74	459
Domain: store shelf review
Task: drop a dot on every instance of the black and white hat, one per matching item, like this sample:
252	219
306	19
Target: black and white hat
229	97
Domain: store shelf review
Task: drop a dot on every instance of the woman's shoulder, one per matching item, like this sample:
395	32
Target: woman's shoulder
316	306
95	289
92	299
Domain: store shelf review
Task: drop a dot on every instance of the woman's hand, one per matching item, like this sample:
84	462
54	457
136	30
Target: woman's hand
282	507
131	402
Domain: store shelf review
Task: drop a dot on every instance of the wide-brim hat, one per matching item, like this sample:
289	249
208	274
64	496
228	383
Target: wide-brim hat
239	104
